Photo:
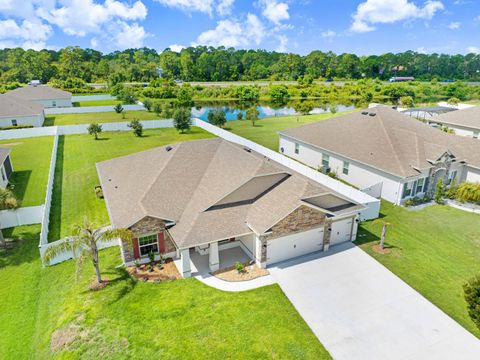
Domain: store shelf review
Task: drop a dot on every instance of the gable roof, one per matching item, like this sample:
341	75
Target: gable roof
387	140
469	118
12	107
40	92
212	189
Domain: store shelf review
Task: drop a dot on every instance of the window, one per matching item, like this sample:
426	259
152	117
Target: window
346	164
54	103
325	161
420	185
297	148
451	176
3	175
476	134
147	243
14	122
407	189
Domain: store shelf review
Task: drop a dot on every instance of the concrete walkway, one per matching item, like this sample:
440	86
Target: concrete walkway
360	310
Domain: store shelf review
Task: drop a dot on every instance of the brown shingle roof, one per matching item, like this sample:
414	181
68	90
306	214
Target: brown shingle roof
469	118
199	185
389	141
41	92
12	107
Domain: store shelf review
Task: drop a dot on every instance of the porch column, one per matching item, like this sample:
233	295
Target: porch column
213	259
260	252
185	257
327	234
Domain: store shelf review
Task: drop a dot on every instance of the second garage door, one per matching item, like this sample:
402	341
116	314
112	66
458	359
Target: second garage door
341	231
288	247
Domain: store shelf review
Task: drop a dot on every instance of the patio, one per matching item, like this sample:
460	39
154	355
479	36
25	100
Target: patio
228	257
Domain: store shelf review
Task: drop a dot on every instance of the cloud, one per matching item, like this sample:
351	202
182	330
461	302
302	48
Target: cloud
222	7
275	11
373	12
454	25
328	34
473	50
28	34
130	35
233	33
282	46
176	48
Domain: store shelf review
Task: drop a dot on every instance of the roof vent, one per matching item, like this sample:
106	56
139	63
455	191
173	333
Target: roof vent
364	112
372	114
247	149
168	148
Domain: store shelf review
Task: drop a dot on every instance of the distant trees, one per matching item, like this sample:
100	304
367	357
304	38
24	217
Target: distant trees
182	119
247	93
279	93
94	129
217	117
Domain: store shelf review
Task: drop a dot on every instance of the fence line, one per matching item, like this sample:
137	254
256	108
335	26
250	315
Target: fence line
21	216
90	109
93	97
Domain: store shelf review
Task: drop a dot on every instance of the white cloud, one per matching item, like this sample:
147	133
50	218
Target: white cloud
473	50
176	48
223	7
233	33
454	25
282	46
328	34
275	11
28	34
373	12
130	35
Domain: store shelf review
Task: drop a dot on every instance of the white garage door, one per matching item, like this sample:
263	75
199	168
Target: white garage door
341	231
288	247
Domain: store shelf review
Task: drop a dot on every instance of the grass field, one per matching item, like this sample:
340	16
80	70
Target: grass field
76	175
31	160
435	250
96	103
72	119
48	313
265	131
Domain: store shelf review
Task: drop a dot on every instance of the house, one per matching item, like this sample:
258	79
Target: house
385	153
465	122
44	95
19	112
204	197
6	168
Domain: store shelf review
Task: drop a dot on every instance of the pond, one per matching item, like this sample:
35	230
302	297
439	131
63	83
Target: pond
265	110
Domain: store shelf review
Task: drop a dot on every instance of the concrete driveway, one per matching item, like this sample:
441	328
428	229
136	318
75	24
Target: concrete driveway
360	310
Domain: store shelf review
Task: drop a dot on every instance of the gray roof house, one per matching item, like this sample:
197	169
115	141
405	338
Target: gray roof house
16	112
206	197
465	122
384	152
44	95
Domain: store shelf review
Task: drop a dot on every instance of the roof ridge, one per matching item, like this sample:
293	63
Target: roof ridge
389	138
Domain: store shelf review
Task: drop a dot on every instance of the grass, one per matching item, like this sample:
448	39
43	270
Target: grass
96	103
106	117
435	250
31	161
76	175
265	130
137	320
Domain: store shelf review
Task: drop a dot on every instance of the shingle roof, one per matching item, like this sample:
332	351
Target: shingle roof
200	186
388	140
41	92
12	106
4	152
469	118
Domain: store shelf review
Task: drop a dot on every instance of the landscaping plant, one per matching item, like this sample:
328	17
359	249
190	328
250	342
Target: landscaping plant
252	114
472	296
118	108
240	267
7	201
182	119
439	191
468	192
137	127
217	117
94	129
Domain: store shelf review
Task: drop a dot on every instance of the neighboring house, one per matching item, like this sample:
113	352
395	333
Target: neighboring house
428	113
17	112
384	153
44	95
464	122
6	167
210	195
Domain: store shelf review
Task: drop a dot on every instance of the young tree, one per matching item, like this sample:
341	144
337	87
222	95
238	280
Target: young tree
147	103
84	244
439	191
471	291
252	114
118	108
384	231
240	115
157	108
182	119
7	201
94	129
136	126
217	117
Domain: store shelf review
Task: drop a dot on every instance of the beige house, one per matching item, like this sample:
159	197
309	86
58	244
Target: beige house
19	112
465	122
44	95
207	196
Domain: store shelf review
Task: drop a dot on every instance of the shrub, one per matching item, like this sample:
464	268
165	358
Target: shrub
157	108
148	103
136	126
118	108
332	174
468	192
439	191
240	267
94	129
471	292
239	116
407	101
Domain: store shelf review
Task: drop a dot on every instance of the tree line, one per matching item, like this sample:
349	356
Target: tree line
204	63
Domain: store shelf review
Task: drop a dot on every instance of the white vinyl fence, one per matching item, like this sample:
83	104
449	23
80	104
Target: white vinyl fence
21	216
93	97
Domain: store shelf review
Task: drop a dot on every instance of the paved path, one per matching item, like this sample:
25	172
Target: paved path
360	310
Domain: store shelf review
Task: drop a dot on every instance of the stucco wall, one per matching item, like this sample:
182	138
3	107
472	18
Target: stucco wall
36	121
472	175
58	103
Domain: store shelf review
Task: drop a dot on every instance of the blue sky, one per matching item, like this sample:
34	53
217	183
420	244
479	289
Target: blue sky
300	26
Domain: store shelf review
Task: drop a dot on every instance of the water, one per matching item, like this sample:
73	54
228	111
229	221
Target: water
265	111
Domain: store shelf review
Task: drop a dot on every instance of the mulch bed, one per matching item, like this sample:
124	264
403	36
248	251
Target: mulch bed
379	250
95	285
159	273
250	272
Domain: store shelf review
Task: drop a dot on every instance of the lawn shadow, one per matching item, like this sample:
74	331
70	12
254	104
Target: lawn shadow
102	139
55	224
19	180
25	249
75	104
49	121
117	276
365	236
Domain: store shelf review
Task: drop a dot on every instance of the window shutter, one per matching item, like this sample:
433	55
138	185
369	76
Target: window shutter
161	242
136	250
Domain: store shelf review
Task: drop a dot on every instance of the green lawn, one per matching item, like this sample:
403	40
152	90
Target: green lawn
435	250
96	103
31	160
136	320
72	119
76	175
265	130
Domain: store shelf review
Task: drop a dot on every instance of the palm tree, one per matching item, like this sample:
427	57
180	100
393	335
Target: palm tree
85	241
7	201
384	231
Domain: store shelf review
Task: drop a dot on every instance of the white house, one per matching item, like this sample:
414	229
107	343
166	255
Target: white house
384	152
207	198
465	122
44	95
6	168
17	112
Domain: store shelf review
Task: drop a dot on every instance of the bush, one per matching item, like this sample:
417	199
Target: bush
407	101
148	103
217	117
182	119
471	292
439	191
468	192
239	116
136	126
240	267
94	129
118	108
